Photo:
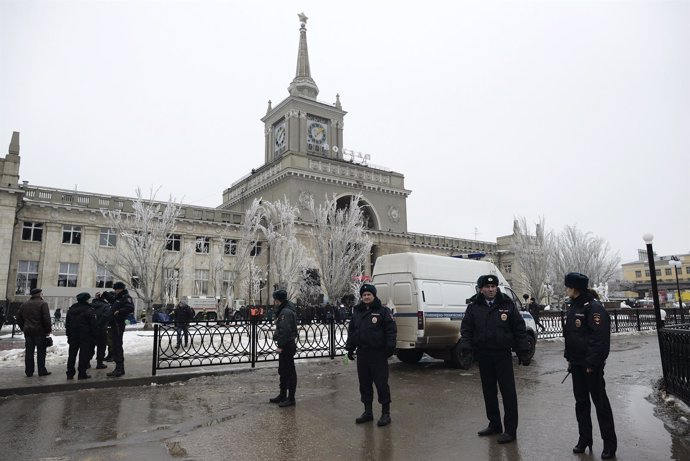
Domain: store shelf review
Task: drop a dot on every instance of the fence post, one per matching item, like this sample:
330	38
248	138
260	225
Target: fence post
331	339
682	313
252	340
154	363
637	313
615	319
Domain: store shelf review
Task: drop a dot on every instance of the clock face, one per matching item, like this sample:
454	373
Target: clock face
279	136
317	133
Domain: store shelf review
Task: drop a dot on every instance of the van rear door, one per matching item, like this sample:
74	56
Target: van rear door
397	292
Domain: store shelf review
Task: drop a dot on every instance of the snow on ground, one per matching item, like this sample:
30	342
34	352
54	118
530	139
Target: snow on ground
136	340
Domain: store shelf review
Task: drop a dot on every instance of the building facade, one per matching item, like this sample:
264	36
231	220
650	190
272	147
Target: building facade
638	276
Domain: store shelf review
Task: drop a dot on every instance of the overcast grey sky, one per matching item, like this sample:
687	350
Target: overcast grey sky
575	111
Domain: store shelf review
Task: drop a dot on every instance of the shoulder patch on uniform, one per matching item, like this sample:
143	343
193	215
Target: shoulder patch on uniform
597	318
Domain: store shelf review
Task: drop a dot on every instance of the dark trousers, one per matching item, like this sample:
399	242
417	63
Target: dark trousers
118	331
496	367
83	348
586	385
100	343
182	329
38	344
286	369
372	368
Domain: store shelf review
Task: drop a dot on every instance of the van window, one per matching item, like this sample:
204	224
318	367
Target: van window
402	294
382	292
456	294
511	294
432	293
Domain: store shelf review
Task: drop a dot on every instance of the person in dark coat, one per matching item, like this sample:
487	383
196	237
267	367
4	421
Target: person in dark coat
81	328
491	327
587	343
535	310
122	306
227	314
285	337
371	336
183	315
101	308
33	319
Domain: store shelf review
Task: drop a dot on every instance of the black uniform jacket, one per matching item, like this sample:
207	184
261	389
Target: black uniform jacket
371	328
103	314
499	327
121	308
80	322
286	325
587	332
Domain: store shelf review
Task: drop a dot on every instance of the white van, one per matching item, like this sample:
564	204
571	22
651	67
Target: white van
428	295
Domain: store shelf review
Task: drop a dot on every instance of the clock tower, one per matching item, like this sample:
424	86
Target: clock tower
305	158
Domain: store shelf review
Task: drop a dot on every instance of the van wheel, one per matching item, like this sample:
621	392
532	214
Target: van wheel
463	362
410	355
532	344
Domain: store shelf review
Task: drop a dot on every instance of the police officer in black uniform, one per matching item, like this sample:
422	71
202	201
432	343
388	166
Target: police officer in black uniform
587	344
122	306
101	307
285	337
492	326
371	334
80	325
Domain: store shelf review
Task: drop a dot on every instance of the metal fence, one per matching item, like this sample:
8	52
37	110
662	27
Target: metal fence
674	341
621	320
224	342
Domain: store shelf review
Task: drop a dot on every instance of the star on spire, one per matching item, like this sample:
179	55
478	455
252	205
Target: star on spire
303	18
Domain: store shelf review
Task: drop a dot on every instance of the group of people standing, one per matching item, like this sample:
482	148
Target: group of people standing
491	330
90	326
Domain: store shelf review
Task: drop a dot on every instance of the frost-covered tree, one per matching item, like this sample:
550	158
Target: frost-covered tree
532	254
140	258
578	251
289	259
342	246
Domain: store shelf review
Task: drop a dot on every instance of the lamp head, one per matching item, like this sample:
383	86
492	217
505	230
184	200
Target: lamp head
648	238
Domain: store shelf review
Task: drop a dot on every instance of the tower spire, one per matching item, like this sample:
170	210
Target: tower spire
303	85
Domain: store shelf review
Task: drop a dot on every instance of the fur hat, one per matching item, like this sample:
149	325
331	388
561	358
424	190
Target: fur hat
487	280
83	297
35	291
280	295
577	281
119	286
367	287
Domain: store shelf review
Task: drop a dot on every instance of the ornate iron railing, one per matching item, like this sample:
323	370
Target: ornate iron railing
224	342
675	356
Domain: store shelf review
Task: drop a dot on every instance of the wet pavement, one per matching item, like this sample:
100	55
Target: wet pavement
436	412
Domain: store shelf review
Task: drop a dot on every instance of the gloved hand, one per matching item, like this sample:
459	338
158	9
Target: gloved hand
570	369
390	351
351	355
523	359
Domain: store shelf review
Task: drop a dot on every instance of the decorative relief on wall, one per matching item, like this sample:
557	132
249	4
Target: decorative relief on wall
393	213
304	198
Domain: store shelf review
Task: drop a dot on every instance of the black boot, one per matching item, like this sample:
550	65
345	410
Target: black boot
116	373
367	416
279	398
582	445
289	401
101	365
609	451
385	418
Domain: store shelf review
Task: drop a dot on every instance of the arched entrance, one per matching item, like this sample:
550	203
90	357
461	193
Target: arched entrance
368	212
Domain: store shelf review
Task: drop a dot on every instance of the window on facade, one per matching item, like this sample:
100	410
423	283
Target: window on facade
71	234
27	277
67	277
135	281
646	273
256	249
638	274
203	244
687	270
108	238
230	247
667	271
200	282
32	231
508	268
104	279
172	283
225	285
174	242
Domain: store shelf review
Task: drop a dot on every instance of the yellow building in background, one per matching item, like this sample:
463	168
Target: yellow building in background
638	276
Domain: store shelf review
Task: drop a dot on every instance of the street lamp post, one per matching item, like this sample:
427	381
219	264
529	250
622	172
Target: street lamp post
675	262
648	239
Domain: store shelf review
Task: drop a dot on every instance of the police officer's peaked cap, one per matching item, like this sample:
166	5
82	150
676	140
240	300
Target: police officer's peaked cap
577	281
367	287
83	297
35	291
487	280
280	295
118	286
